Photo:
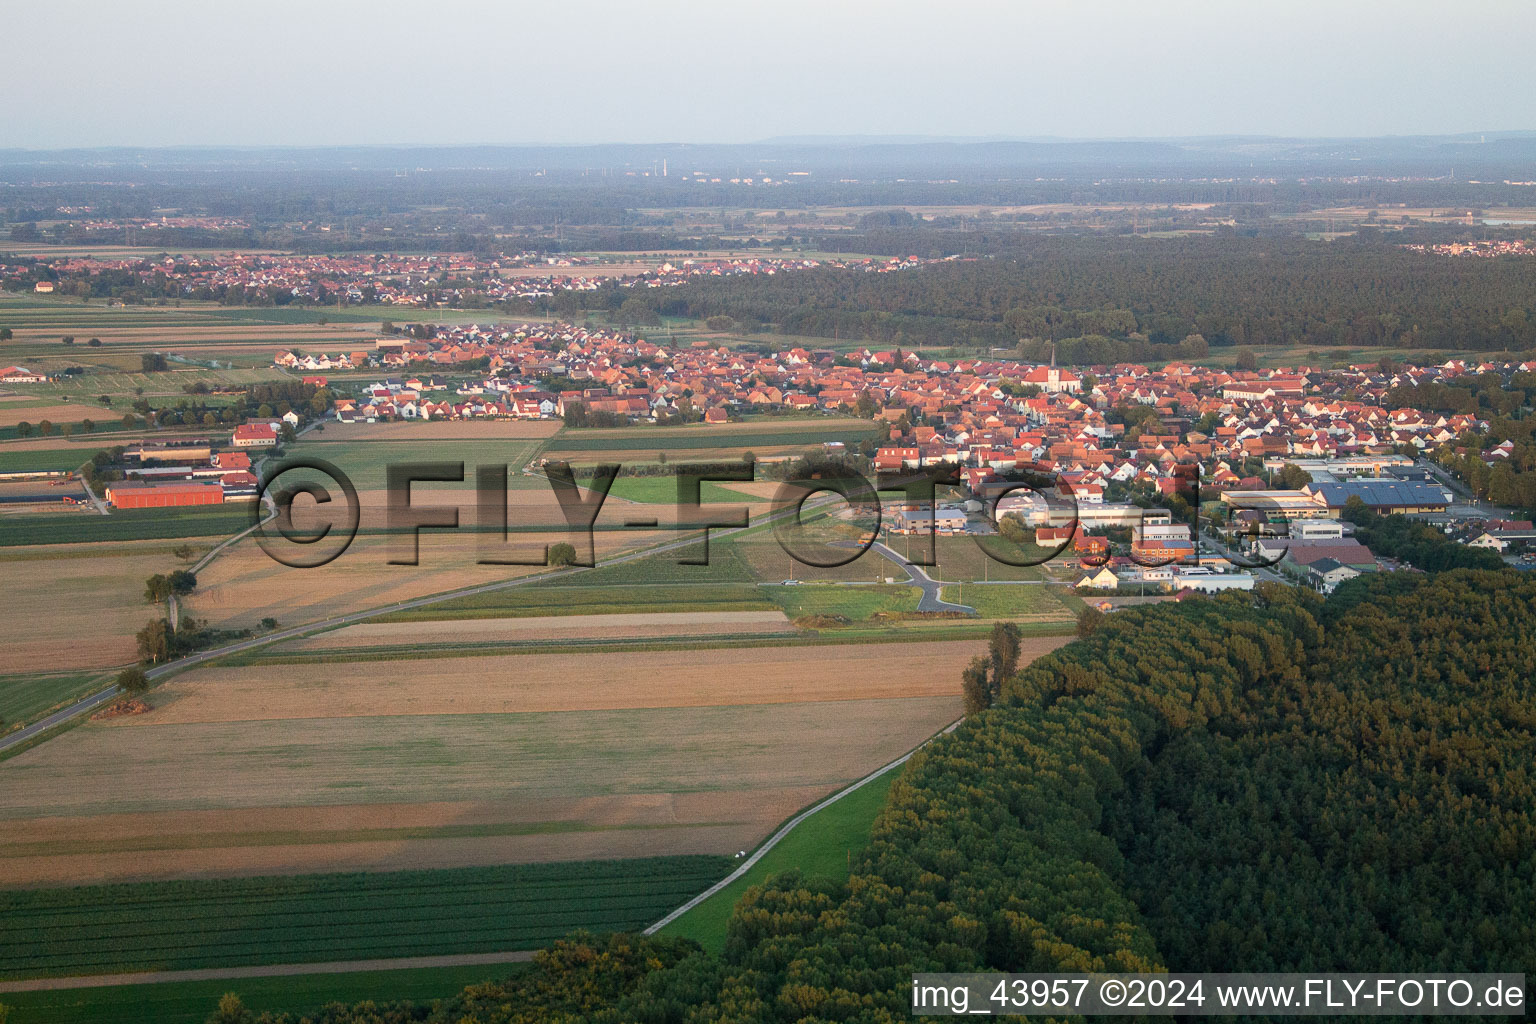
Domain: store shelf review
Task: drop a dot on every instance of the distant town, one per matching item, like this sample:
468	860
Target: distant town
1280	453
447	279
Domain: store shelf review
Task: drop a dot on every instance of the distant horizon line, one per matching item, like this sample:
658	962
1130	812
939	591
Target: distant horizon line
830	139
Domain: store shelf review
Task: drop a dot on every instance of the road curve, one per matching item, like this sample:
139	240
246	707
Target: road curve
931	601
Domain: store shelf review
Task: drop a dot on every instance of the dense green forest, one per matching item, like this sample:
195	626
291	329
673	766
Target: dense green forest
1264	781
1232	291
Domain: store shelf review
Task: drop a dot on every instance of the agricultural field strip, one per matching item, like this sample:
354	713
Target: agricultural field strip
172	986
635	439
252	919
292	633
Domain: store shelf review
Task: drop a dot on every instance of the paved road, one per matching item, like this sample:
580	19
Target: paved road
1210	547
266	971
930	601
95	700
100	505
1476	507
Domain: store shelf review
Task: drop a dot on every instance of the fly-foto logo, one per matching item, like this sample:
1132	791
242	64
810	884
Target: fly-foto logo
580	505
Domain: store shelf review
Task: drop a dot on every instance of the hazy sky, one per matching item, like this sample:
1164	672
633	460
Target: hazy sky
138	72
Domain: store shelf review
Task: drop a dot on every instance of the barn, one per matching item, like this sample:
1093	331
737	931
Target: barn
136	494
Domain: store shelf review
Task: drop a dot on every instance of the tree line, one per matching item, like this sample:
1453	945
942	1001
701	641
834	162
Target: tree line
1229	290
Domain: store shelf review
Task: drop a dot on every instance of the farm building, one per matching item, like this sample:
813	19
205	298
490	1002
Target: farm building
944	521
254	435
239	484
231	460
170	451
22	375
136	494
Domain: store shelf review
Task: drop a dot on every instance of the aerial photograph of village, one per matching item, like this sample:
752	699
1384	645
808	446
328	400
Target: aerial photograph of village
823	513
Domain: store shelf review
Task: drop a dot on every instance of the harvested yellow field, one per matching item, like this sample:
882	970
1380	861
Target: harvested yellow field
244	584
515	683
79	612
640	626
387	837
529	786
390	764
10	415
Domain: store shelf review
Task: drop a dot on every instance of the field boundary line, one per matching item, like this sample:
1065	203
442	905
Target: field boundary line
267	971
789	826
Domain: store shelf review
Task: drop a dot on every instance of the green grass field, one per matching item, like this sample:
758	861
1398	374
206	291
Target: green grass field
572	599
767	433
26	698
191	1002
662	490
1005	601
855	603
82	527
824	845
34	312
305	918
45	460
725	566
366	461
121	383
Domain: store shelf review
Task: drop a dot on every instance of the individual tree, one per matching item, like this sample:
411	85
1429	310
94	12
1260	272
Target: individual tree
232	1010
974	688
185	552
982	680
154	641
1246	360
45	428
133	680
1003	652
157	588
1292	477
562	554
24	429
5	334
